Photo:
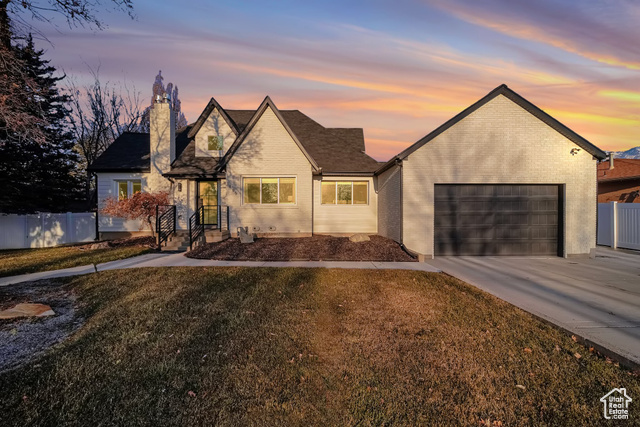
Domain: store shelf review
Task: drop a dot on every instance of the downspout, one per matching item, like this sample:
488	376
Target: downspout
399	164
97	210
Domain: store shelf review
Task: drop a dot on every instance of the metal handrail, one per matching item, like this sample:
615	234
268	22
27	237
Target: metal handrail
199	220
196	226
165	222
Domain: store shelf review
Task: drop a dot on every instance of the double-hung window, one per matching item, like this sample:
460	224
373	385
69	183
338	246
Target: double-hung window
128	188
269	191
345	192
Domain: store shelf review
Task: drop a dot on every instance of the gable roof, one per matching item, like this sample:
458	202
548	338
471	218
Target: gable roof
186	164
331	151
622	169
129	152
212	105
517	99
267	103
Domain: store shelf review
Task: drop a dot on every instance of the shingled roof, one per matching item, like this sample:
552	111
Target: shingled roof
334	150
623	169
129	152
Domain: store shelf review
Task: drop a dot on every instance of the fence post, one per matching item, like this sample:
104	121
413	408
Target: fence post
69	235
614	225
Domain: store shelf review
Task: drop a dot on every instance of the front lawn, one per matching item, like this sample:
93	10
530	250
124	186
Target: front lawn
266	346
24	261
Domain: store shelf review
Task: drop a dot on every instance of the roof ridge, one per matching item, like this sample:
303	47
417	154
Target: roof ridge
510	94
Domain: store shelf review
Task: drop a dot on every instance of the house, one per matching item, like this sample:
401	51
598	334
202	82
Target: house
500	178
619	181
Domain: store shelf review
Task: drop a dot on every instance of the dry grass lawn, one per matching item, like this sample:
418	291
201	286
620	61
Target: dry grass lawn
249	346
24	261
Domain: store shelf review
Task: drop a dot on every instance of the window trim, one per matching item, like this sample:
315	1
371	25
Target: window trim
335	184
278	177
130	183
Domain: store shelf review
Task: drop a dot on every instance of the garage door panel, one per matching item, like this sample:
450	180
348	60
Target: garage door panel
496	219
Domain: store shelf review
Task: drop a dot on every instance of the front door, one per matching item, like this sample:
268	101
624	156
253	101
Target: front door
208	200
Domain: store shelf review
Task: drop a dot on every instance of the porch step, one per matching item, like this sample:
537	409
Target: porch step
178	242
212	236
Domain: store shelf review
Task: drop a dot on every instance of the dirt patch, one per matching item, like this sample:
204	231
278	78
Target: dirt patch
316	248
24	340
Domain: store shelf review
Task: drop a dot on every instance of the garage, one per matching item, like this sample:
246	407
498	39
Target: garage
497	219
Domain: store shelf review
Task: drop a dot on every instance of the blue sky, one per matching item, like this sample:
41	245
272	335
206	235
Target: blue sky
398	69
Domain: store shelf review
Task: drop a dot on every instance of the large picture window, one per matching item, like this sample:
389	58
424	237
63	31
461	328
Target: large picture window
126	189
345	192
269	191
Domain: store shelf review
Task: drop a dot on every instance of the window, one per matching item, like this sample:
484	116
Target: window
126	189
215	143
345	192
269	191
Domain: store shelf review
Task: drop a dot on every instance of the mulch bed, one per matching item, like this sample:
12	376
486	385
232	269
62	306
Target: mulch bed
316	248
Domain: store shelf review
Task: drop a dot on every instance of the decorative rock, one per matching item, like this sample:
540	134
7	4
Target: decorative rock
101	245
244	235
359	238
27	310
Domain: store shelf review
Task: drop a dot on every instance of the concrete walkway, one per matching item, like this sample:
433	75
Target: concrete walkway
595	299
179	260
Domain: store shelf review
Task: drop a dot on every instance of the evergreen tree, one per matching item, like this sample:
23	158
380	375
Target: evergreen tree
40	174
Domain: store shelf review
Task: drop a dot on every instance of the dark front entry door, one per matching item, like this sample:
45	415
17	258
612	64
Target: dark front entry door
497	219
208	199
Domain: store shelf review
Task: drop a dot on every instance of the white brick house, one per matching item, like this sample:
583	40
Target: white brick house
502	177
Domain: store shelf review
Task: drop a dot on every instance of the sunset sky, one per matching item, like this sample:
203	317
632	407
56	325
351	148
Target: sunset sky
397	69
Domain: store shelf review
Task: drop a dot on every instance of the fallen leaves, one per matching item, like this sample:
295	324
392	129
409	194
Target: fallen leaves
527	350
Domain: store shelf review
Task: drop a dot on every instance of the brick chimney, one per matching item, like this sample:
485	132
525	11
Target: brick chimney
162	124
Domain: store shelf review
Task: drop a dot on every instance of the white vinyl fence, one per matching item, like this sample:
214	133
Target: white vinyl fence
619	225
44	230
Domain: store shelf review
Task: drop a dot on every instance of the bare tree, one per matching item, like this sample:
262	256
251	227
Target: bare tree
100	113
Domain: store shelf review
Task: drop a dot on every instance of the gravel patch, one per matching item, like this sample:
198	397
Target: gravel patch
315	248
25	340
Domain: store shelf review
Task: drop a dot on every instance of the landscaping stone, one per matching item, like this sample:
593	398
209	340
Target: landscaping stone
101	245
245	237
27	310
359	238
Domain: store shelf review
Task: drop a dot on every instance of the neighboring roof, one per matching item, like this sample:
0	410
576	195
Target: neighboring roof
128	153
622	169
519	100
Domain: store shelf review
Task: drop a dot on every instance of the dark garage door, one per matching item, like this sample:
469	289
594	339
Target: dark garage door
497	219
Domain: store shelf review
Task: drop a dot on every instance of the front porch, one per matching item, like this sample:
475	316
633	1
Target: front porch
208	224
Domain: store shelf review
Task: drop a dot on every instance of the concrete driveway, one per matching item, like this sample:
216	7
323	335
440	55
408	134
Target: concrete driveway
596	299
